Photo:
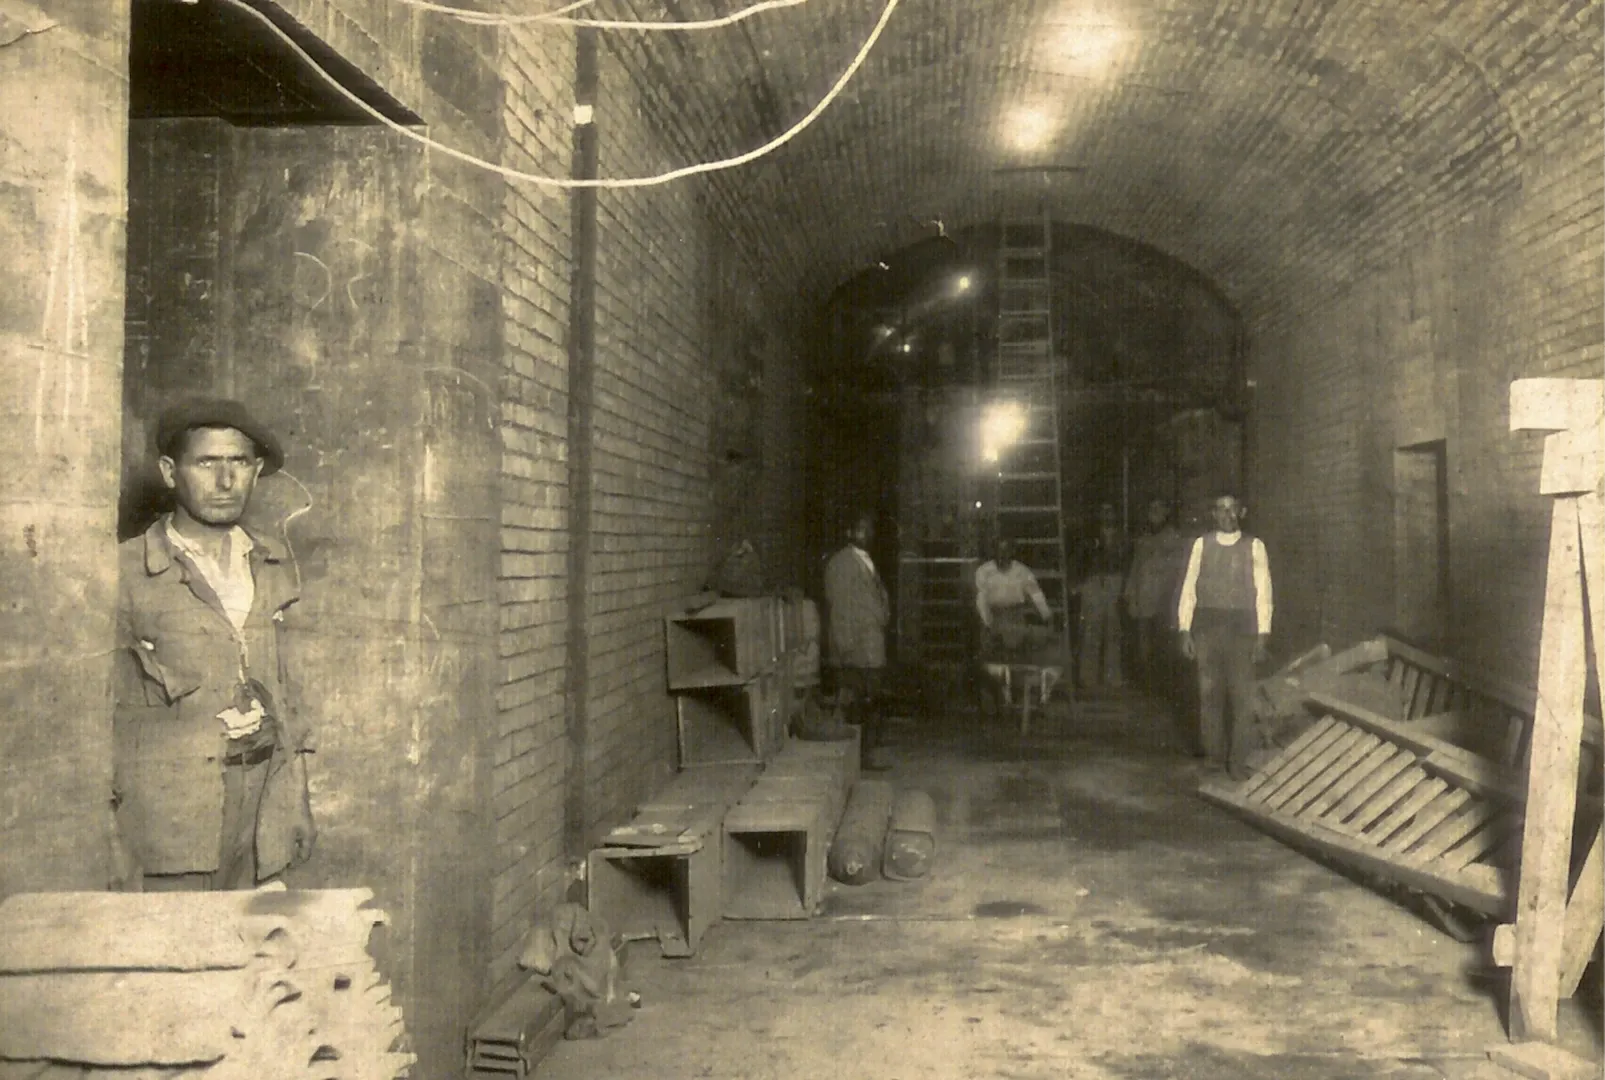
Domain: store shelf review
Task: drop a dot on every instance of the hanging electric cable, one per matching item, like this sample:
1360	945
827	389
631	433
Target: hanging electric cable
566	182
490	18
559	17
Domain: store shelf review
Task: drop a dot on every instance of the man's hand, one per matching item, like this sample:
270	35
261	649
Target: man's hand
1188	649
303	831
1261	652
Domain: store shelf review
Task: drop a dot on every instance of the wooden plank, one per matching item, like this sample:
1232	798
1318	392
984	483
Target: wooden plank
1315	761
1403	734
1519	699
1334	776
1284	761
125	1017
1379	804
1477	774
1450	832
1378	756
1553	759
1541	1061
1428	819
1477	887
1379	778
1412	686
89	931
1481	844
1585	917
1457	763
1397	668
1318	757
1407	808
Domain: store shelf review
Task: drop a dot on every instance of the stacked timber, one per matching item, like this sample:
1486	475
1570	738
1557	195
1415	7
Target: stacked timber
230	985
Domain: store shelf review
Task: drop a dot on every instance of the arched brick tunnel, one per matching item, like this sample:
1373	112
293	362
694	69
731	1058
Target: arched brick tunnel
1400	200
1401	203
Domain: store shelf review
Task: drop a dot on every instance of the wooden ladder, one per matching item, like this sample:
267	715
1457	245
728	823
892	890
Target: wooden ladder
1028	496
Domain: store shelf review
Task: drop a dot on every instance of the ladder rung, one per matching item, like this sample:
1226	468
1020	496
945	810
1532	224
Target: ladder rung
1051	508
1008	476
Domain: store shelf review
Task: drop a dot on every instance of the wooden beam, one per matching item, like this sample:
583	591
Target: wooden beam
1437	756
1551	787
1585	917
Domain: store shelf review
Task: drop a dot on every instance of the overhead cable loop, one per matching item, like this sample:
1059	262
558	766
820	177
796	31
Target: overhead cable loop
559	17
568	182
491	18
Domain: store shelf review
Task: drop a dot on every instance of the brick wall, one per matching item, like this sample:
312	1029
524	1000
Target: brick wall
64	125
1484	284
531	747
681	314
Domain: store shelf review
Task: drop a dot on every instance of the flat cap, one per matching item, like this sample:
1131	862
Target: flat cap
218	412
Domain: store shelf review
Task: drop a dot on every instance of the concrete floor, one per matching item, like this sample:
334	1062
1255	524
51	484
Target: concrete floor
1088	916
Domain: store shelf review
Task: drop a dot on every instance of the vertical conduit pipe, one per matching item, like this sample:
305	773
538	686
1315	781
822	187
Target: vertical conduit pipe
581	383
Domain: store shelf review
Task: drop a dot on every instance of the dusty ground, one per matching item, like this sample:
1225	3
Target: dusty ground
1088	917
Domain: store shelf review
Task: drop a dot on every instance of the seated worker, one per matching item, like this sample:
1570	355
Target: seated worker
1003	589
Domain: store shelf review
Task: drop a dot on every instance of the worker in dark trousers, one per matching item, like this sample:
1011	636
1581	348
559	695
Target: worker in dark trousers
1103	576
858	609
1224	615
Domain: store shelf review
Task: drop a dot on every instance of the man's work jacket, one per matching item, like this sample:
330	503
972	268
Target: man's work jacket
857	610
180	662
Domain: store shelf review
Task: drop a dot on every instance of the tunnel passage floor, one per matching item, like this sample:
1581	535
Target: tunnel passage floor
1088	916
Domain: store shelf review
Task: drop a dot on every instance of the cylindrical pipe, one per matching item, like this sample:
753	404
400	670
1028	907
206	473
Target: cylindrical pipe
910	836
855	850
581	382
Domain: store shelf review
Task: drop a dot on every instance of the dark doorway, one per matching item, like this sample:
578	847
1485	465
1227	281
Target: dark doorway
1421	543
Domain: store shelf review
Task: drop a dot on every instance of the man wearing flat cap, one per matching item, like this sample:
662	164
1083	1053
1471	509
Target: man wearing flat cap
210	778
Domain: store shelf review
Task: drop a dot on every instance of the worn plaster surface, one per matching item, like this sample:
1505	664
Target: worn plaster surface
1088	917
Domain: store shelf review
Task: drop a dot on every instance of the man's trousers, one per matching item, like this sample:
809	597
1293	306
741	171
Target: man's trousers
1225	657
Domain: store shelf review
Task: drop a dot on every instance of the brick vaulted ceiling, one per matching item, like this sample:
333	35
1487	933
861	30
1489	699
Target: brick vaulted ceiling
1279	146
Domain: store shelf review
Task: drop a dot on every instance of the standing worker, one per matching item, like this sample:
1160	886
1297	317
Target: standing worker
1103	573
209	777
1157	563
857	610
1224	614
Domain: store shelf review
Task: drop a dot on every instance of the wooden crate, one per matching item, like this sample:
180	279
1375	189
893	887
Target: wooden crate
660	875
670	893
774	858
726	643
720	725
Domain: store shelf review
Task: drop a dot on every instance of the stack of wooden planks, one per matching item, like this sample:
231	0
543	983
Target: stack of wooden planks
261	985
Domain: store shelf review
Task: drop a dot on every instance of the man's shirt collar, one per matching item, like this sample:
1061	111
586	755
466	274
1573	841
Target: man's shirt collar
159	550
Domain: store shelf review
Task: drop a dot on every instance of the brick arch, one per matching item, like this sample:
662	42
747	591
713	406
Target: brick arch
1303	148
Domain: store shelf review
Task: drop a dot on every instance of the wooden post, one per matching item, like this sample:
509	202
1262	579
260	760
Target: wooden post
1556	750
1573	472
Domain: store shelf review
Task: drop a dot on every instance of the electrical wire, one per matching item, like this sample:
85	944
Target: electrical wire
568	182
490	18
558	17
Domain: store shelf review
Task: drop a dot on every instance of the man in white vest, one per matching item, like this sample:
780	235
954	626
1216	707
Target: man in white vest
1224	614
